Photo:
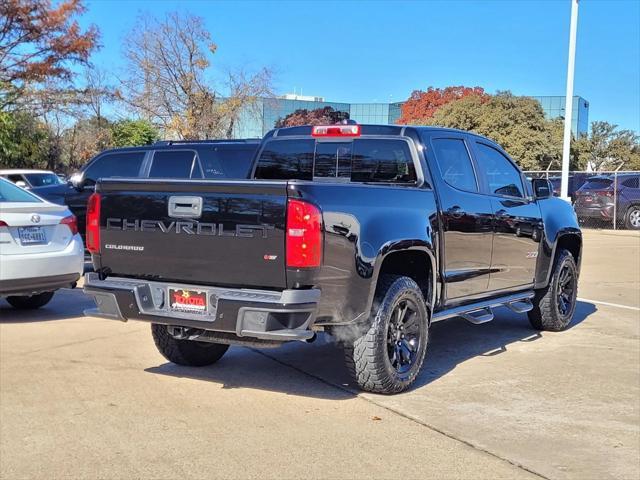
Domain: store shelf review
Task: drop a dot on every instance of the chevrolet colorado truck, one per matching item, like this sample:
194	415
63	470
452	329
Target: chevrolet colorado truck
367	232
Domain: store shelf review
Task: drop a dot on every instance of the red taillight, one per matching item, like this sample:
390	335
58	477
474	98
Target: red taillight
3	223
304	235
70	222
336	131
604	193
93	223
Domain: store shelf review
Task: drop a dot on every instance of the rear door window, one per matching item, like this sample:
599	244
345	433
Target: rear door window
382	160
174	164
632	182
286	159
121	164
502	177
455	164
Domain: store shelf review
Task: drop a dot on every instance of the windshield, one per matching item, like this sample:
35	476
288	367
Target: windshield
42	179
12	193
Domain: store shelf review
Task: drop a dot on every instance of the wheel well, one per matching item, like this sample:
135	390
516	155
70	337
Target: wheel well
570	242
414	264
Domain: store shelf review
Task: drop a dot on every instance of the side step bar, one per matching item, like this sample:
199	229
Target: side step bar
480	312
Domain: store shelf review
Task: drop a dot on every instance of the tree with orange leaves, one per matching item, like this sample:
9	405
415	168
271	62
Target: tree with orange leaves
40	42
422	105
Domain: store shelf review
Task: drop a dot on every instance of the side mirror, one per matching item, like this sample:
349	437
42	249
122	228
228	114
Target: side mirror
21	184
77	181
542	188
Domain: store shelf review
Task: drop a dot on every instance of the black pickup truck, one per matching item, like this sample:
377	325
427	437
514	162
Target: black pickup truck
369	233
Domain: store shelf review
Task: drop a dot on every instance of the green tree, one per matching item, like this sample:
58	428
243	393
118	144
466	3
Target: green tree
131	133
606	147
516	123
23	141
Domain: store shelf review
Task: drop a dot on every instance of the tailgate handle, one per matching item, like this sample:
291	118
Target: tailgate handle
185	207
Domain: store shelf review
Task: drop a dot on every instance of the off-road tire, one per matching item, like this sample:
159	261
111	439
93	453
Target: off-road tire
30	302
367	356
631	217
546	314
186	352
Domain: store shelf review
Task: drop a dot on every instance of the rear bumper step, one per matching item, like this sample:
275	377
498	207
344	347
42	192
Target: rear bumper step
259	314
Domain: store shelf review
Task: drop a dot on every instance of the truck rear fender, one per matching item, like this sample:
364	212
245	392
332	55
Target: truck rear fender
410	258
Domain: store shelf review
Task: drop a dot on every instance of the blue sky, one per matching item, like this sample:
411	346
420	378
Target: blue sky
380	51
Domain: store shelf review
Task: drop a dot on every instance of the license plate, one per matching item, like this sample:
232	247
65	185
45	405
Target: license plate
32	236
187	301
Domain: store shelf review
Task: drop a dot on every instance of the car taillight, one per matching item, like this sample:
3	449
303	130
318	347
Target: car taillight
604	193
3	223
93	223
304	235
70	222
336	131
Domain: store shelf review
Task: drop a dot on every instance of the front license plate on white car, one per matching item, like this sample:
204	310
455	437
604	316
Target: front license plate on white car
32	236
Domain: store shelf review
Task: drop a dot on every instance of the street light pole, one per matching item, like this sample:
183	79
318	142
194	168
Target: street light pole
568	104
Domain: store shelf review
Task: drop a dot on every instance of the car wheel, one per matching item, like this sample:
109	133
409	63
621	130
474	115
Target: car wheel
632	219
387	354
554	306
30	302
186	352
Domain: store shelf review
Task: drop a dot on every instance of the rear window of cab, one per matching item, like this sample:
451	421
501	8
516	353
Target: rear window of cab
358	160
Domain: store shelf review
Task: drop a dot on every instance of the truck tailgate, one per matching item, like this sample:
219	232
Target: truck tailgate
200	232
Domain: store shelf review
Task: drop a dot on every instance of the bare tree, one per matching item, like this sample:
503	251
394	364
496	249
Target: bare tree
168	83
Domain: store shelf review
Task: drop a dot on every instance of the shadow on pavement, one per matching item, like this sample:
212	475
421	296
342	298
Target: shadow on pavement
65	304
249	369
452	342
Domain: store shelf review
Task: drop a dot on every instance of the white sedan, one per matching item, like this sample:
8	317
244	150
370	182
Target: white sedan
40	248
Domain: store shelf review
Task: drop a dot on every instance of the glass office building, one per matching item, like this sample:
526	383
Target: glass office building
254	122
554	108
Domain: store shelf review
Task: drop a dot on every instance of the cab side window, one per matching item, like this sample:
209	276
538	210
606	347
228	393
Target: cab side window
502	177
454	163
114	165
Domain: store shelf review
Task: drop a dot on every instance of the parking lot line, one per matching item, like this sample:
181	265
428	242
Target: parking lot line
617	305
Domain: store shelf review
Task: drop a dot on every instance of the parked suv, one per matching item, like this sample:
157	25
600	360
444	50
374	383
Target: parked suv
367	232
208	159
596	199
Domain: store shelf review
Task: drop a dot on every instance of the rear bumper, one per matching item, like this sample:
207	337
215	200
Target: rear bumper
25	266
266	315
31	286
598	213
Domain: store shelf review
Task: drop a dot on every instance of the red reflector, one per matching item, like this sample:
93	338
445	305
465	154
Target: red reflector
70	222
336	131
304	235
93	223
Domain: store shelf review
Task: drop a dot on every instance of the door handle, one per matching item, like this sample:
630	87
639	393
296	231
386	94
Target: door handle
185	207
455	212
